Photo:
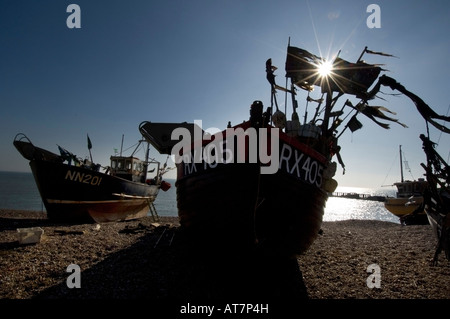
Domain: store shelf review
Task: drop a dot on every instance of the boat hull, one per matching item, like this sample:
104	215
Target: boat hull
399	207
236	206
440	223
72	193
402	207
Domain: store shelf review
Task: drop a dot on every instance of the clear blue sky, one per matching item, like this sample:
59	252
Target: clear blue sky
175	61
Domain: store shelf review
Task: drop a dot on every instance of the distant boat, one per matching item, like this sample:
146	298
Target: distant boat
408	199
76	191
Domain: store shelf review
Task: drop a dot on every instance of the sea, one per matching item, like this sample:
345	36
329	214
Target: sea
18	191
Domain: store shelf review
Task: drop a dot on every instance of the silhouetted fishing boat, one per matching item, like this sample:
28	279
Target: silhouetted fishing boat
236	202
264	183
437	197
75	190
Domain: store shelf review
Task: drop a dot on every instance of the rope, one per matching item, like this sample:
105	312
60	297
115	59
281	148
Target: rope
443	122
395	160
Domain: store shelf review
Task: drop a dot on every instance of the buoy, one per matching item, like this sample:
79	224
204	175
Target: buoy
165	186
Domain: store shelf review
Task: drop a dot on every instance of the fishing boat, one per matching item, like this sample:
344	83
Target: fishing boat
264	183
437	197
74	190
407	205
236	203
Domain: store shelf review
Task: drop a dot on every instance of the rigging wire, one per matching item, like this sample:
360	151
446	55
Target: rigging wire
443	122
406	165
395	160
134	145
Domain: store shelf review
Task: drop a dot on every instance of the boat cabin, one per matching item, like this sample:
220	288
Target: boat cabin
129	168
411	188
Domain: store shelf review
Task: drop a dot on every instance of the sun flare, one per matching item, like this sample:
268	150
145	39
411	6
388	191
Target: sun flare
325	68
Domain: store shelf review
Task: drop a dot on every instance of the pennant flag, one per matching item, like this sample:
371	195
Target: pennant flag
269	70
89	142
67	156
374	112
379	53
89	147
271	77
427	113
351	78
354	124
302	68
64	153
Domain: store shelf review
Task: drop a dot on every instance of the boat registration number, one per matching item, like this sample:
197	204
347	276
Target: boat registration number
300	165
83	178
291	160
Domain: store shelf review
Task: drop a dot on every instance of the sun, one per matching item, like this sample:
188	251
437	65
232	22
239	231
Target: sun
325	68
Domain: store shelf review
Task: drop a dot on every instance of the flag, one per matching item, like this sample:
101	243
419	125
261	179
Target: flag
379	53
64	153
354	124
352	78
427	112
301	67
269	70
89	142
374	113
89	146
271	77
67	156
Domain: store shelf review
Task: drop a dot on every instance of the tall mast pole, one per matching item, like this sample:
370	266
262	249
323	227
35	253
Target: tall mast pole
121	146
326	117
401	164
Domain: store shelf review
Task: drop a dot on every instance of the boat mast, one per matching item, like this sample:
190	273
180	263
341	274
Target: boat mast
401	165
121	146
326	117
146	162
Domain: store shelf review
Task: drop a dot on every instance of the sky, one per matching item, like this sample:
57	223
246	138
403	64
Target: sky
176	61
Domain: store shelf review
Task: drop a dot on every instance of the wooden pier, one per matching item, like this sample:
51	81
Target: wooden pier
378	198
